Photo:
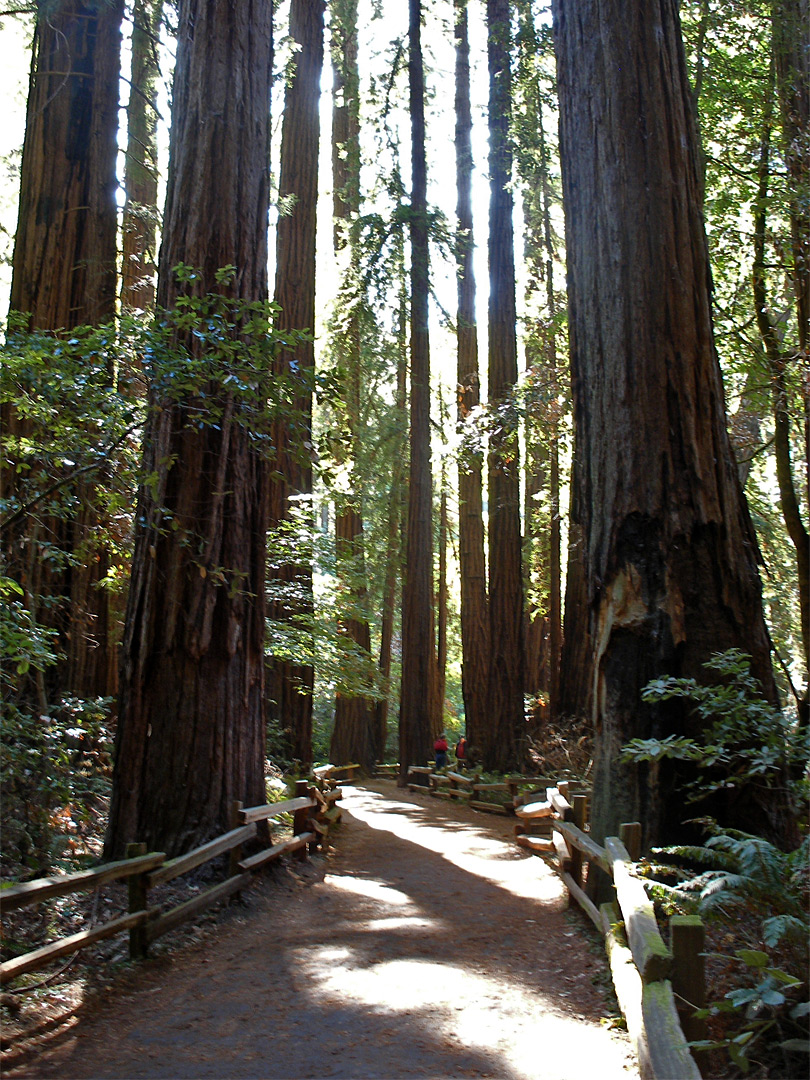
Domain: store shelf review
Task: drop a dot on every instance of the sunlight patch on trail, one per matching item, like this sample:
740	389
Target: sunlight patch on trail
470	1011
487	857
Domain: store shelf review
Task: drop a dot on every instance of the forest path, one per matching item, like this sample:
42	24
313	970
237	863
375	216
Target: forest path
426	945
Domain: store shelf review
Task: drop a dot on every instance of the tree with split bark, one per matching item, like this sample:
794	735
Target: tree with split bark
669	553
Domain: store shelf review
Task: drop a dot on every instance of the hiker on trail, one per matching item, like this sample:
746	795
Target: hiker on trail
440	751
461	752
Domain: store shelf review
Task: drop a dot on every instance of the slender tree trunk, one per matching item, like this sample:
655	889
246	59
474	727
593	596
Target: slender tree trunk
441	609
394	544
191	734
472	561
576	681
64	275
416	721
778	363
554	527
353	735
669	550
140	215
502	740
292	683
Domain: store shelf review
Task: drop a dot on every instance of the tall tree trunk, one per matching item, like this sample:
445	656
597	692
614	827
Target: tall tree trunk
416	720
554	526
472	562
441	608
191	734
669	550
292	683
353	735
64	275
502	739
140	215
777	362
394	540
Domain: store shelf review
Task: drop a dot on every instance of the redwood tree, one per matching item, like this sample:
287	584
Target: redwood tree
472	561
353	736
668	548
292	681
416	719
501	738
64	275
139	226
191	730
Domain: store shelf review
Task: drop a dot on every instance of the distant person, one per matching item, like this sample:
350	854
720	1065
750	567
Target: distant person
440	751
461	752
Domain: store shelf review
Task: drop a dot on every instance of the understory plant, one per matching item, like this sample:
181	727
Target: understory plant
736	878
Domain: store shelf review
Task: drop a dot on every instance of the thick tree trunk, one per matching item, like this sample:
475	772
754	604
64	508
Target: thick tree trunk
191	731
140	215
502	739
669	550
472	561
291	684
416	719
64	275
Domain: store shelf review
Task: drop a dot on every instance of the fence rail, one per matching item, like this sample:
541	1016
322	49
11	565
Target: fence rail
314	812
658	987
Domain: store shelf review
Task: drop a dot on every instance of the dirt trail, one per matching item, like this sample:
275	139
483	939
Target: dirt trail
427	945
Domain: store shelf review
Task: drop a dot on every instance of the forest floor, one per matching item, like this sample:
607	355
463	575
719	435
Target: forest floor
424	944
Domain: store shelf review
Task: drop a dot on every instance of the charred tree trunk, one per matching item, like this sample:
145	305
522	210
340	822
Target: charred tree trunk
669	550
472	561
502	739
291	684
416	719
191	731
64	275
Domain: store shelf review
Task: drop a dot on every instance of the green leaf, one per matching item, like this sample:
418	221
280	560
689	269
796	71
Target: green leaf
753	957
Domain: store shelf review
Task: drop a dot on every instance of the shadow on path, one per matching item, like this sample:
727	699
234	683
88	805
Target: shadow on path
431	947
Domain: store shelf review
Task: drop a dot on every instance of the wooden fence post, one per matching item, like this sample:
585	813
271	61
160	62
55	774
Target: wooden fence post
579	806
138	942
630	836
687	936
236	853
301	817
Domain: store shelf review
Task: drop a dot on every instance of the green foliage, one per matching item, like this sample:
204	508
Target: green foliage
745	738
55	771
767	1005
731	878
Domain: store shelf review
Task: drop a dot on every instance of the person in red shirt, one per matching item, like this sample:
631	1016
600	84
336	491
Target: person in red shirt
440	751
461	752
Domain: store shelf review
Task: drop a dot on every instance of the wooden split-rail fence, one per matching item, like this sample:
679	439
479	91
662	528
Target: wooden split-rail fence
314	812
658	987
494	798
